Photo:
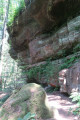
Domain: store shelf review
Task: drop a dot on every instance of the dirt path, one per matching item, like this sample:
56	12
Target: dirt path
62	103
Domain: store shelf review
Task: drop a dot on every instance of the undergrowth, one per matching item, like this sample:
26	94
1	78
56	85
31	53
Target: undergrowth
51	89
15	9
43	71
75	98
69	62
49	69
28	116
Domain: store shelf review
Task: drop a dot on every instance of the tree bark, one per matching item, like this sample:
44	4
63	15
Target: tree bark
3	38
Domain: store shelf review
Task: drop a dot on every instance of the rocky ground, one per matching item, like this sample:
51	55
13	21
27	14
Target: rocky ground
63	103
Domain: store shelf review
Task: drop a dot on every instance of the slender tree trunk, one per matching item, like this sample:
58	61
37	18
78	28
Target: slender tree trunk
3	38
5	19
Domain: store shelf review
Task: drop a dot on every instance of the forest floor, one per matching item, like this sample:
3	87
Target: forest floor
63	104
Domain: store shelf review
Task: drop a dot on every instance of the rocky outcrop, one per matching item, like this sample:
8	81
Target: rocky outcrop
46	29
45	45
50	71
49	13
69	79
31	42
31	98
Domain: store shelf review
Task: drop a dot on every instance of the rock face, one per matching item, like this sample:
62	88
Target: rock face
44	45
49	13
50	72
69	79
46	29
31	42
31	98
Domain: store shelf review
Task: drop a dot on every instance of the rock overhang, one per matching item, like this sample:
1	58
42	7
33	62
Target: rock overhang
29	32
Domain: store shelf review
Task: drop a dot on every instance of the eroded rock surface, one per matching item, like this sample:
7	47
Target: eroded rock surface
49	13
69	79
53	69
28	37
31	98
46	29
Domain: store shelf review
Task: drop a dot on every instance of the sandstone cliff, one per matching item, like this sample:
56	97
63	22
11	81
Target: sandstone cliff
46	29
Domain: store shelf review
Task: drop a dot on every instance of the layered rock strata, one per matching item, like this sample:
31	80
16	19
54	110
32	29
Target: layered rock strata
46	29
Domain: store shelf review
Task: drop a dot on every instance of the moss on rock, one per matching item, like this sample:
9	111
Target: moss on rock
31	98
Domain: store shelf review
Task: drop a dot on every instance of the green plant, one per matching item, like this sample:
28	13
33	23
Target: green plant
16	8
68	62
76	48
45	71
51	89
77	28
28	116
75	98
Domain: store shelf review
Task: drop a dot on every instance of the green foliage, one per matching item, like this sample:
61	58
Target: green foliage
4	98
2	10
1	103
15	8
28	116
68	62
76	98
51	89
77	28
11	75
44	70
76	48
49	69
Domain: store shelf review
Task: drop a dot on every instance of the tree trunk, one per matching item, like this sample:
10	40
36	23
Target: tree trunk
3	38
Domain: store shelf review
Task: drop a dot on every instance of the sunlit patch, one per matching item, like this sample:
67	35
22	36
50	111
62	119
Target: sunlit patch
2	95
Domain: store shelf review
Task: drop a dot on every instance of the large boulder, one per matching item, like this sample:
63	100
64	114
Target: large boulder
31	98
69	79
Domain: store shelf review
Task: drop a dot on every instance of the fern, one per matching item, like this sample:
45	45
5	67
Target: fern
76	98
28	116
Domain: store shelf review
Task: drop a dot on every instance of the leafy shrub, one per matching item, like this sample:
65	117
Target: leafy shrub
77	28
44	70
49	69
76	48
51	89
28	116
76	98
68	62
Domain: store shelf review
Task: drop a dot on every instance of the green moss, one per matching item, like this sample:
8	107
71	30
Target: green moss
33	104
39	102
21	96
24	109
